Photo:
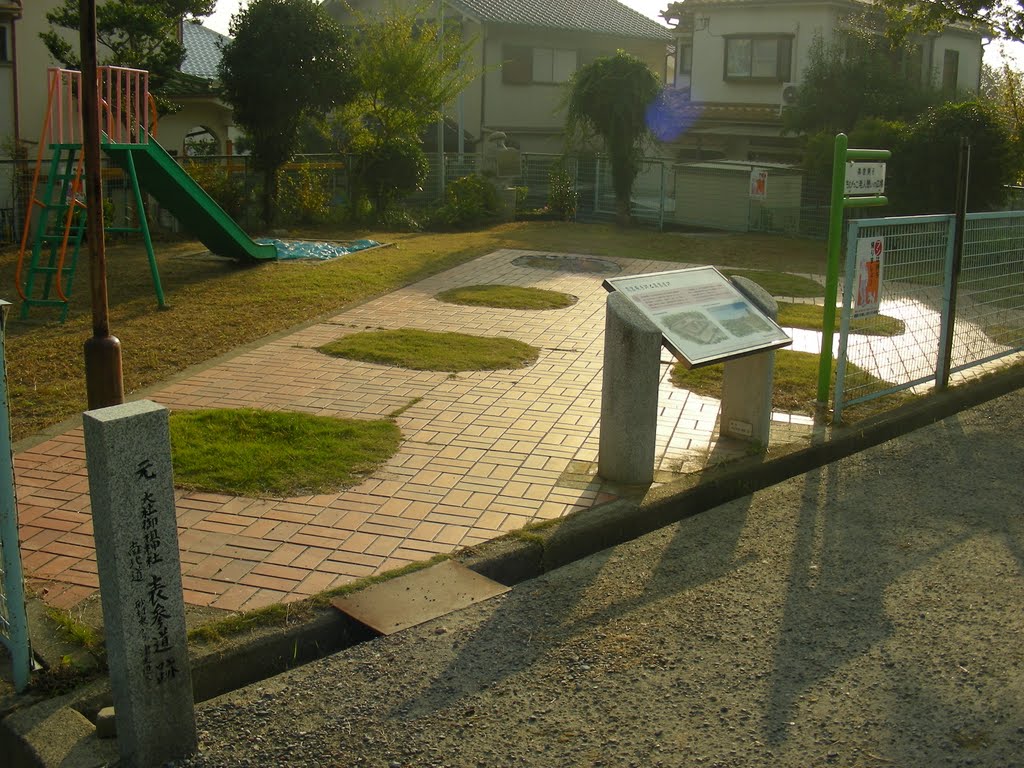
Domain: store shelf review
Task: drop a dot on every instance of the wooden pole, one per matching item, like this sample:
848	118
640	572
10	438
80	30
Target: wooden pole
103	380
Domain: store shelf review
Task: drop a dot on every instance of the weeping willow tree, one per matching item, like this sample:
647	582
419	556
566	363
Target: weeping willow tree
611	98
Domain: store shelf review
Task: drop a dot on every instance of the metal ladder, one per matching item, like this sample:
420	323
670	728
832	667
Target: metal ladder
59	231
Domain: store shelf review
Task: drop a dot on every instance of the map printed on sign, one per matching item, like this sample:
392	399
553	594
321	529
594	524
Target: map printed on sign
865	179
703	317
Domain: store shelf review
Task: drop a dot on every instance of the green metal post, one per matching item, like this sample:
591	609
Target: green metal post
144	229
16	635
835	241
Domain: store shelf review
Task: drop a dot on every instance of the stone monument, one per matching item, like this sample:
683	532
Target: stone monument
129	462
629	394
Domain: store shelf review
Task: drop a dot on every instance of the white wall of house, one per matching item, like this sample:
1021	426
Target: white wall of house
172	130
33	61
760	37
525	98
758	29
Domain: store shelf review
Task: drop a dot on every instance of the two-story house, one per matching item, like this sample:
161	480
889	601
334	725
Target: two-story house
526	52
24	61
739	62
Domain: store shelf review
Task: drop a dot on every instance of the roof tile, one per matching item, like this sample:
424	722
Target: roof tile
600	16
202	50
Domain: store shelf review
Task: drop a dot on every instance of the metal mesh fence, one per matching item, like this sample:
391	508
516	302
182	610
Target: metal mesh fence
712	195
990	295
903	345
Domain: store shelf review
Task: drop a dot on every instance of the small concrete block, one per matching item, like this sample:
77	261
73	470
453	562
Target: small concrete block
45	735
106	724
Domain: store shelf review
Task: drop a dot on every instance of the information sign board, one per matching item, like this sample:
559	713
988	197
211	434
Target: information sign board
865	179
758	184
703	317
870	258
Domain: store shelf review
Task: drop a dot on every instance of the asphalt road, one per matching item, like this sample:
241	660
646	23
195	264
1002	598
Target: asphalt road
870	613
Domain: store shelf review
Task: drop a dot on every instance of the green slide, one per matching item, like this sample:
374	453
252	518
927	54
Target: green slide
162	177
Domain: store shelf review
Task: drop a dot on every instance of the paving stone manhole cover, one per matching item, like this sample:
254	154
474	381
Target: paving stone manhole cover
589	264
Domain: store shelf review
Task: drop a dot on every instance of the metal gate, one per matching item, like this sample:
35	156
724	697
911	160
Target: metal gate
923	310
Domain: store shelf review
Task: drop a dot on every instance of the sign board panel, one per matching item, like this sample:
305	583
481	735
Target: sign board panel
870	257
758	184
703	317
865	179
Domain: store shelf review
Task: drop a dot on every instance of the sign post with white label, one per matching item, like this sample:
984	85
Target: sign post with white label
864	179
858	180
704	319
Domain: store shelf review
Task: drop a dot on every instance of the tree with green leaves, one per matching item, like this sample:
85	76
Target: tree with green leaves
137	33
611	98
865	76
288	61
408	69
1004	17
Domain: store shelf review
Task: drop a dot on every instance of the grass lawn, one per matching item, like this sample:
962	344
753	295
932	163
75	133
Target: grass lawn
812	317
795	383
781	283
248	452
431	351
507	297
218	305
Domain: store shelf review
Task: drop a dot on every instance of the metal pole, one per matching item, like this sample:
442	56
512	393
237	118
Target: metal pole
963	170
835	241
103	381
440	122
13	578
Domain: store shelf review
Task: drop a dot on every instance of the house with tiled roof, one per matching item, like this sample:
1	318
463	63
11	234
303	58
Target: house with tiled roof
526	51
740	62
202	115
194	89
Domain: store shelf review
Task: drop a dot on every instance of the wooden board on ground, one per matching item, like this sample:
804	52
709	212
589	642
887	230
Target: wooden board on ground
418	597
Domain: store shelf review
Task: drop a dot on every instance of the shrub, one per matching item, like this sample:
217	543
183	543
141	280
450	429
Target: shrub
390	171
562	197
226	189
400	220
469	202
303	195
928	159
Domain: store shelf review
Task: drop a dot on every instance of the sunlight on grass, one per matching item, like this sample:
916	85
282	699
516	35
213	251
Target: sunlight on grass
811	317
431	351
249	452
780	283
507	297
795	383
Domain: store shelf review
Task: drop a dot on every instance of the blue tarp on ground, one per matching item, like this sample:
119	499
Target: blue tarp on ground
303	249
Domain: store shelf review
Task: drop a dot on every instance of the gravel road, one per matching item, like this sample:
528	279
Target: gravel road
870	613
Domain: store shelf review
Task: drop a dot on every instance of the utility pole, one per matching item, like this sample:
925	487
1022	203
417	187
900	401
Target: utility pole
103	381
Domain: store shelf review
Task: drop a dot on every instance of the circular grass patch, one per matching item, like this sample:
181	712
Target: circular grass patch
248	452
507	297
432	351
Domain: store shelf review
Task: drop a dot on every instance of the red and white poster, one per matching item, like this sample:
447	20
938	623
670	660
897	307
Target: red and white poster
870	258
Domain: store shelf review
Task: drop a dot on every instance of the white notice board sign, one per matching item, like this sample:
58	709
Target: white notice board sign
870	258
864	179
703	317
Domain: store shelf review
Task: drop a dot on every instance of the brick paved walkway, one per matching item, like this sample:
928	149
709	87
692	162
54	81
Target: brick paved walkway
483	452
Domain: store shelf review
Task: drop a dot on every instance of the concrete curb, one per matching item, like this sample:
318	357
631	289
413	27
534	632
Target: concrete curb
511	559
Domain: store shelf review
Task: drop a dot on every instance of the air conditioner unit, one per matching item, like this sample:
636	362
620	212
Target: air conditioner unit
790	91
